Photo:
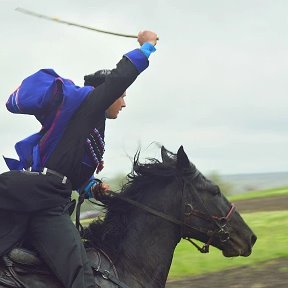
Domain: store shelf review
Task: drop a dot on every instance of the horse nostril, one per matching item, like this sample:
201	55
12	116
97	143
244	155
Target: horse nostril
253	239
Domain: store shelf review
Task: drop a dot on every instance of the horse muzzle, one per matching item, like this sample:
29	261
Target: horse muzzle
234	247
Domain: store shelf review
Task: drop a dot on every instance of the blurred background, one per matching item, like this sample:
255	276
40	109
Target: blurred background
216	85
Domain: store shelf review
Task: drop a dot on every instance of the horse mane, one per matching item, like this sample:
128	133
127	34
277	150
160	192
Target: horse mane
107	233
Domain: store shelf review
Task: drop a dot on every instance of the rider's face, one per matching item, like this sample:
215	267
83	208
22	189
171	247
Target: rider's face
113	111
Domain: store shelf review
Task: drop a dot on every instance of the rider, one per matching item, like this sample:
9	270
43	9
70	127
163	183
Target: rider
63	156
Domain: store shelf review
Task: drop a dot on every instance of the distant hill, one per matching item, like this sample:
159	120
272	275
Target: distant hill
249	182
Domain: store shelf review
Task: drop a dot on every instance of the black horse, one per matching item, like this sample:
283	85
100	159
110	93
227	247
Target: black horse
133	246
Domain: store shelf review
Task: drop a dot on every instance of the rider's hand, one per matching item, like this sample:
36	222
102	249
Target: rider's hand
147	36
100	190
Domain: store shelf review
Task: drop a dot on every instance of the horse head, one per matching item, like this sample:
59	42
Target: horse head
206	214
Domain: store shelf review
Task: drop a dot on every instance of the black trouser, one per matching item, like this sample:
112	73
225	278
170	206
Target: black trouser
49	226
13	227
56	239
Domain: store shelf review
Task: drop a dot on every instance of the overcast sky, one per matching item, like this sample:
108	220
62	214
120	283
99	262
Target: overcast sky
216	85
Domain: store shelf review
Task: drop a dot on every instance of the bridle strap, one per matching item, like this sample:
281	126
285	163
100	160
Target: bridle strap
213	218
204	248
229	214
221	233
155	212
183	224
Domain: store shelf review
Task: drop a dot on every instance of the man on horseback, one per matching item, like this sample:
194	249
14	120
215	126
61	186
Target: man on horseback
61	157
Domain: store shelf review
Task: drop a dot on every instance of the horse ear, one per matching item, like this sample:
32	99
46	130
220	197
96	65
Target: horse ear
182	159
165	157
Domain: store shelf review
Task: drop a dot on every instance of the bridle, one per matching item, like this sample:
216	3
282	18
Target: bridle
220	222
221	231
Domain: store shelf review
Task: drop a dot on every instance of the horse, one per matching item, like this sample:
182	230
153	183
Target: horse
162	203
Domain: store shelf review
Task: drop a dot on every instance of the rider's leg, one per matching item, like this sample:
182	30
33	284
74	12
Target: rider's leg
58	242
12	229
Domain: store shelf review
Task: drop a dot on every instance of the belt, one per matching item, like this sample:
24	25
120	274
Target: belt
47	171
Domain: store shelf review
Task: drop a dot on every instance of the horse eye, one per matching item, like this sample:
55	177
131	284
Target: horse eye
216	190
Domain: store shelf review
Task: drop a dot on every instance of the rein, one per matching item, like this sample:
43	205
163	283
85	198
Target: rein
220	222
222	233
188	211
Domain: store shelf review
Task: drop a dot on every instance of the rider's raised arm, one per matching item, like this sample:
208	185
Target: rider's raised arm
127	70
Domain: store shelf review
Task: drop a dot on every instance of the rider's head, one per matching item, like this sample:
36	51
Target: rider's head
97	79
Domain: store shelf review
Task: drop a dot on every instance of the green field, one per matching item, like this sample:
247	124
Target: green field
271	229
282	191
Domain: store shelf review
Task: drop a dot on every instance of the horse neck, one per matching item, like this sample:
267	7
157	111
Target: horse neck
147	250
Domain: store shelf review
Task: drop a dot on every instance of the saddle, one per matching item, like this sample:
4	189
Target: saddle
20	262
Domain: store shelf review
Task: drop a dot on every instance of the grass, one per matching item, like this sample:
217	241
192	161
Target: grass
271	229
86	222
282	191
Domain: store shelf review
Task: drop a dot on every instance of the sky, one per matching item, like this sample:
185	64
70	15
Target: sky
216	85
